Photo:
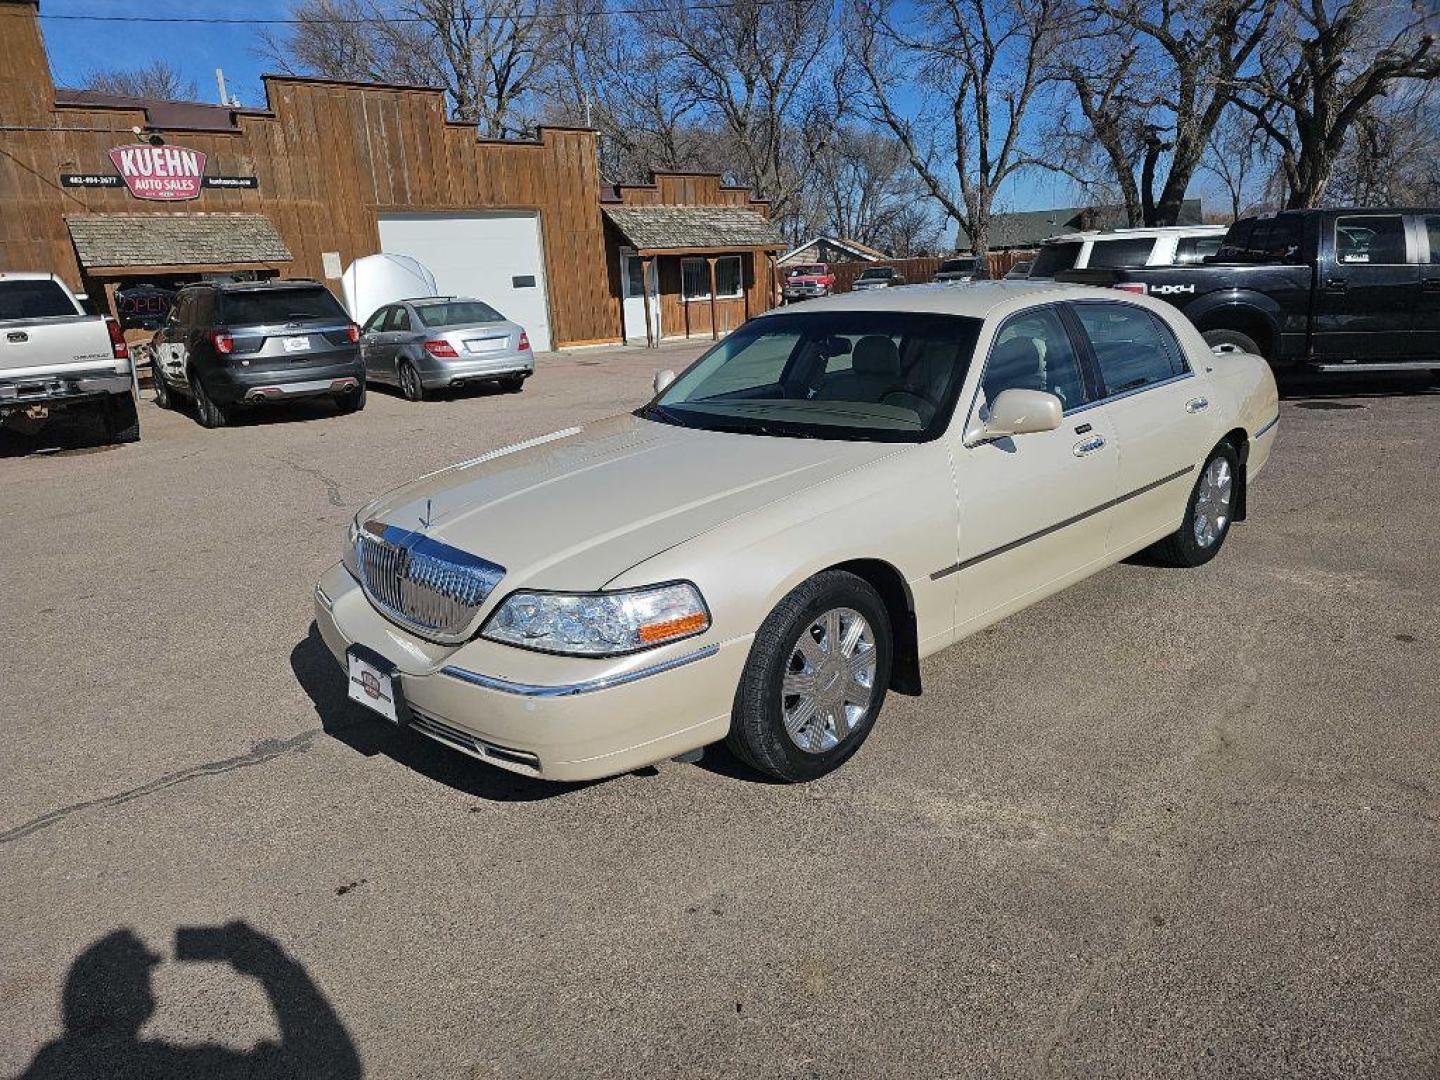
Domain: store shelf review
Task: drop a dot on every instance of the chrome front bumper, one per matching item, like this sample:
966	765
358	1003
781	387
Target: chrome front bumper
560	718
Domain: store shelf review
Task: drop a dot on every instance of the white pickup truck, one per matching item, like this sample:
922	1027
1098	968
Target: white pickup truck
53	356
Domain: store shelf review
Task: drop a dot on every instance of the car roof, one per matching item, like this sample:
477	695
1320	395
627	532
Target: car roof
975	300
258	286
1141	231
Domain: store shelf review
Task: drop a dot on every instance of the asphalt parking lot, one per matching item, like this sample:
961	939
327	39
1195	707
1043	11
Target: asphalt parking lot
1166	823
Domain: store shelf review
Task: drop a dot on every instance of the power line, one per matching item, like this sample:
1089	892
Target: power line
378	20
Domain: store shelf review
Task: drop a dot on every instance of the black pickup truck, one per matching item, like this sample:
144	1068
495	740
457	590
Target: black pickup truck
1338	290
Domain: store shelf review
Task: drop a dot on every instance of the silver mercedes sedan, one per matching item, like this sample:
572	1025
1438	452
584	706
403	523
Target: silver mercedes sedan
429	344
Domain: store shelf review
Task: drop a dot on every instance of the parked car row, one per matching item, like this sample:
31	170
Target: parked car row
227	346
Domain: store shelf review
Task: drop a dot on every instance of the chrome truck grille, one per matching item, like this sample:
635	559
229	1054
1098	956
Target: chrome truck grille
421	583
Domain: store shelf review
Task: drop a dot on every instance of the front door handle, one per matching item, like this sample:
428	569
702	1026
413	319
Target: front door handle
1336	285
1085	447
1197	404
1431	284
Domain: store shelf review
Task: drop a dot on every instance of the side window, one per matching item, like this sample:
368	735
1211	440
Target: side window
373	324
1194	249
1432	230
1370	238
1129	346
1120	253
185	308
398	320
1033	352
204	308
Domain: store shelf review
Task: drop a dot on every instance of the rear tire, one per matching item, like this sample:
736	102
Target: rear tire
410	384
163	395
792	717
1243	342
1208	515
207	411
351	402
122	419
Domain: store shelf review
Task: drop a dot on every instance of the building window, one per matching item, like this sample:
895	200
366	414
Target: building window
694	279
728	279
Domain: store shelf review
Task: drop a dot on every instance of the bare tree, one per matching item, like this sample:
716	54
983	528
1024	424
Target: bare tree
1322	73
1152	79
980	62
756	73
490	56
1232	155
863	188
156	79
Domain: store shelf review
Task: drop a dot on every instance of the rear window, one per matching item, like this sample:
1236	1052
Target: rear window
1268	239
1055	257
1194	249
33	300
457	313
281	306
1121	253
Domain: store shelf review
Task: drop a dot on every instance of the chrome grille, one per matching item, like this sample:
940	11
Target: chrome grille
421	583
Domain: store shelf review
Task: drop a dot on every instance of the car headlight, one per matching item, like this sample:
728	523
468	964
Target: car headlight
599	624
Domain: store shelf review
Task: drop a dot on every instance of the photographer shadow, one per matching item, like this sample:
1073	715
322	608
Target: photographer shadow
109	997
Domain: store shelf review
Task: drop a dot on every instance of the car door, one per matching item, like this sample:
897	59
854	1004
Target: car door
1159	411
1368	290
1427	315
172	349
1032	509
400	333
372	345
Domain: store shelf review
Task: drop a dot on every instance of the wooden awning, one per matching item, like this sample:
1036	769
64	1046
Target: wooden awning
118	241
694	230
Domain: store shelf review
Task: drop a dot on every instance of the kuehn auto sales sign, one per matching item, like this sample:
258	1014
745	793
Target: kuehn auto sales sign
164	173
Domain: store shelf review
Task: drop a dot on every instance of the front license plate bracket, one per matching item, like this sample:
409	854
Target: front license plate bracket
385	694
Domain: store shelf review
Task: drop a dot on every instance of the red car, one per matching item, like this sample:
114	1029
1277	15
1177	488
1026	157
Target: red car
805	280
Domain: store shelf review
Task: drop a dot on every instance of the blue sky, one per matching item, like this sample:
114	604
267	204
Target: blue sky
80	47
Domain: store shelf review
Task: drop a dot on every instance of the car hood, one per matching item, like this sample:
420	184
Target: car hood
575	509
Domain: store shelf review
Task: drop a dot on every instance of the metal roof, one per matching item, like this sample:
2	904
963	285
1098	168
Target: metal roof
175	239
693	228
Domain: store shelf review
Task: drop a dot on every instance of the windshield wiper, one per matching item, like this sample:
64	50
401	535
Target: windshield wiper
663	415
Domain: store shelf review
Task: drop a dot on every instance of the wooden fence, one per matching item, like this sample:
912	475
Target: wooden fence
918	271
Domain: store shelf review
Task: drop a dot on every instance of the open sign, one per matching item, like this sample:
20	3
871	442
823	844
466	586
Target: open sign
164	173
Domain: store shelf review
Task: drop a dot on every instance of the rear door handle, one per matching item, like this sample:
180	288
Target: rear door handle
1431	284
1197	404
1336	285
1085	447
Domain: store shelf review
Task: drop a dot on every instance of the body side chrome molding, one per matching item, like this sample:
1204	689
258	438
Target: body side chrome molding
1040	534
505	686
1266	427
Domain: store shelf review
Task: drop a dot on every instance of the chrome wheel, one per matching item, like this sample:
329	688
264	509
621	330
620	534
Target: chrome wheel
1212	502
829	680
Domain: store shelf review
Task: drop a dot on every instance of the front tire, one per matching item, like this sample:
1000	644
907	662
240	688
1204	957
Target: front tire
163	395
815	679
1208	515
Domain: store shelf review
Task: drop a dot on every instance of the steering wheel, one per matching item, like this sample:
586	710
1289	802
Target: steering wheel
911	396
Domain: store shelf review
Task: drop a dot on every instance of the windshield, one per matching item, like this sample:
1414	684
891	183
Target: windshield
878	376
1055	257
878	272
457	313
807	271
263	306
964	266
33	300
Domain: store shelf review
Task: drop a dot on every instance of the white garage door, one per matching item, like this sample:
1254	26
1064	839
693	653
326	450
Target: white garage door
494	257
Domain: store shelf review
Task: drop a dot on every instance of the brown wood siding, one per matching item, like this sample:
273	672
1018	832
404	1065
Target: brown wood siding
329	158
679	318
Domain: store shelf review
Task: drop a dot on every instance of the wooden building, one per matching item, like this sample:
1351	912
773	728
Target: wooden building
331	171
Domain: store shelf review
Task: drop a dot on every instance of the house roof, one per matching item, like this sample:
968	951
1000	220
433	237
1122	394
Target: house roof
863	252
175	239
1028	228
693	228
159	113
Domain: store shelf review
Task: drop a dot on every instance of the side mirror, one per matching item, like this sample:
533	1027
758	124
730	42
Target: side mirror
1020	412
663	379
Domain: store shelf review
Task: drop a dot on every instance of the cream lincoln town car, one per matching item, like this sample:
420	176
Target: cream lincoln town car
830	494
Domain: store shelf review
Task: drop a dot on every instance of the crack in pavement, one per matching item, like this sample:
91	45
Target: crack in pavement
263	751
332	486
